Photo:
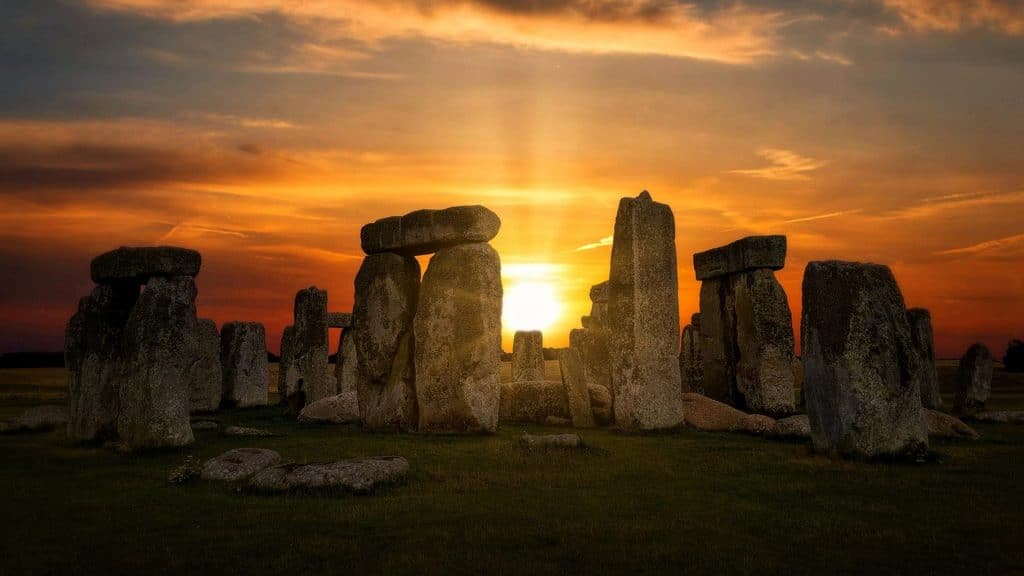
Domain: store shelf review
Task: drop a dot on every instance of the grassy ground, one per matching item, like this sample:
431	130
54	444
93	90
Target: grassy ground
669	503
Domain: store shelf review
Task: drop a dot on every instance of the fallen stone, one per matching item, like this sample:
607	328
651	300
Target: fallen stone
309	348
250	432
973	380
93	355
922	339
360	475
556	421
206	376
793	427
710	415
387	289
428	231
755	424
601	404
527	356
942	425
861	396
238	464
339	320
576	391
243	359
160	347
331	410
743	255
1004	417
551	441
458	336
643	317
533	401
35	419
204	425
185	472
137	265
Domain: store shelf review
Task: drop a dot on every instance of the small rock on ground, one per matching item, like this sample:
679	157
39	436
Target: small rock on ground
185	472
251	432
359	475
556	421
205	425
1005	417
239	463
551	441
792	428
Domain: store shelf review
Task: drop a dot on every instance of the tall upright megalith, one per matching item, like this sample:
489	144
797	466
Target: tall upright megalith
860	383
527	356
643	317
973	380
206	375
690	363
309	345
387	290
161	345
458	340
243	358
923	341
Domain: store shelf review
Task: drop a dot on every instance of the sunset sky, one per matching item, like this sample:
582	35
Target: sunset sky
266	133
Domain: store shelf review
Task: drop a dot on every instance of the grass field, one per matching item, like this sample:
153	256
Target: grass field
681	502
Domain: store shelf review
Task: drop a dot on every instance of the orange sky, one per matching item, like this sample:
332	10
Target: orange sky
266	135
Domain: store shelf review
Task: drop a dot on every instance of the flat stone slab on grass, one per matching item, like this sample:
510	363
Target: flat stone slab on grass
792	428
427	231
358	475
250	432
36	419
942	425
551	441
238	464
745	254
338	409
139	264
204	425
1005	417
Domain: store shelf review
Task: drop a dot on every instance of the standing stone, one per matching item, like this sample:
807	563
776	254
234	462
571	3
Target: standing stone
288	391
160	347
458	339
924	346
973	380
690	362
310	345
93	355
339	320
387	288
206	374
643	317
346	375
528	356
600	404
136	265
576	388
243	358
536	402
764	341
718	356
428	231
861	394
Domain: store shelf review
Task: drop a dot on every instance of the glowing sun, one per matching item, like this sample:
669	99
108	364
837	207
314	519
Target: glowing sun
530	305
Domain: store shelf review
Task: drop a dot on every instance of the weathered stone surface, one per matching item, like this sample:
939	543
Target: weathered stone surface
861	394
764	341
35	419
137	265
704	413
243	358
249	432
792	428
599	293
556	421
160	348
923	341
346	373
973	380
528	356
690	363
288	390
309	347
755	424
576	392
204	425
360	475
387	290
600	404
93	355
1001	416
331	410
458	339
238	464
339	320
743	255
551	441
716	337
942	425
185	472
206	376
428	231
593	348
533	401
643	317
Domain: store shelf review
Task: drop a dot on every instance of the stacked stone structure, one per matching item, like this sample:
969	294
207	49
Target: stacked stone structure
691	367
527	356
745	326
243	359
973	380
591	342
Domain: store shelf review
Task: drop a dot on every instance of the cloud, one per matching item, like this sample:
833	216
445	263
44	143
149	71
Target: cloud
1008	242
734	34
606	241
1005	16
785	165
823	216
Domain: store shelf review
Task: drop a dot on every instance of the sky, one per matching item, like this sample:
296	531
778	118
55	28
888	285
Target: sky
265	133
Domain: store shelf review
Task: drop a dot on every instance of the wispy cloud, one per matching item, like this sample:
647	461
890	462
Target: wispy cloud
984	247
1006	16
823	216
606	241
785	165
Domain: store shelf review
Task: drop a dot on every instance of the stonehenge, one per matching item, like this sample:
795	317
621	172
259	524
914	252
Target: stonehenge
691	367
527	356
591	341
207	375
973	380
576	391
309	347
745	327
643	317
243	359
923	341
861	389
430	231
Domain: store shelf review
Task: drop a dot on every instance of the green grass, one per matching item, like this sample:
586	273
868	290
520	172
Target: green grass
666	503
